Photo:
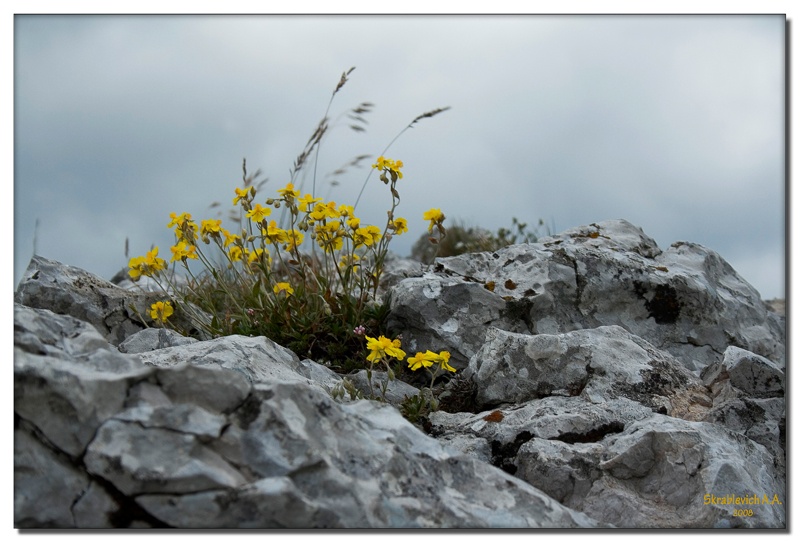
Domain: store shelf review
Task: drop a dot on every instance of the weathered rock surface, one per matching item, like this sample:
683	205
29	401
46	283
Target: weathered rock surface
619	462
396	390
152	339
599	364
685	300
602	382
188	437
116	313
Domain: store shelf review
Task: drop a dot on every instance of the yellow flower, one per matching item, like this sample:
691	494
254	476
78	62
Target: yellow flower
210	227
353	223
185	228
283	286
382	348
329	236
421	360
435	216
160	311
258	213
429	358
367	235
294	238
385	164
322	211
229	238
183	251
289	192
178	219
400	226
307	202
444	357
255	255
276	234
235	253
154	264
148	265
242	194
136	265
346	211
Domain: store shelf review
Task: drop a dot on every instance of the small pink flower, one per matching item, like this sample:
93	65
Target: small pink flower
360	330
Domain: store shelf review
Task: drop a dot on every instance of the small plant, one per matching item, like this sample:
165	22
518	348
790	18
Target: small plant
466	239
416	408
382	351
386	351
345	386
305	278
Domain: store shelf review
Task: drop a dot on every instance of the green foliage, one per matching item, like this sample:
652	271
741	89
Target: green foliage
463	239
416	408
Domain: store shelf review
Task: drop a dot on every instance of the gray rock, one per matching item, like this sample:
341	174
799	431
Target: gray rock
746	372
139	459
762	420
577	404
320	374
685	300
505	429
384	473
748	392
777	305
116	313
397	269
599	364
396	390
201	439
445	313
152	339
257	358
619	461
660	470
48	484
65	384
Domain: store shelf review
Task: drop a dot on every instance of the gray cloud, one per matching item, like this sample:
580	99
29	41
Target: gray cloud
674	123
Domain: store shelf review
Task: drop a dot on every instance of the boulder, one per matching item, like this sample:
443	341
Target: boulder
748	398
621	463
229	433
153	339
599	364
115	312
744	372
685	300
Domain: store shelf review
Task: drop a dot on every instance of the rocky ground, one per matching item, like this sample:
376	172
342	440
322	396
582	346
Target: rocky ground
602	382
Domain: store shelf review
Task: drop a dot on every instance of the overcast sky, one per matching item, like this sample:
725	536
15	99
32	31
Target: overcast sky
674	123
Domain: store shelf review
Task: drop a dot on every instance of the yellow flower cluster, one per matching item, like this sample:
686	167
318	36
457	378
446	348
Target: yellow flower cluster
148	265
386	165
429	358
382	348
352	252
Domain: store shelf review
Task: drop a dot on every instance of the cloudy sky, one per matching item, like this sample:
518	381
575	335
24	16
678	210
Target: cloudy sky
673	122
